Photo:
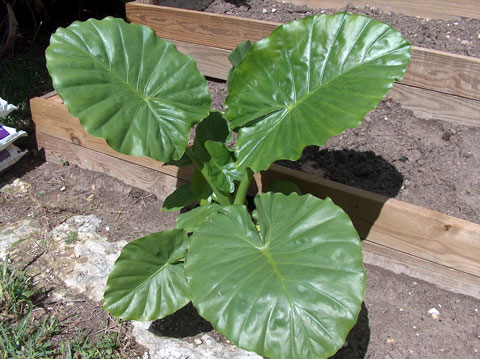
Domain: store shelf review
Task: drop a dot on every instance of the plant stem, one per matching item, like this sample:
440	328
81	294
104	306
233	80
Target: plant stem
224	200
243	187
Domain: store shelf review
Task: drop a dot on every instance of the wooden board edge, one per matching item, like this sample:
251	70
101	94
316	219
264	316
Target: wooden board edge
160	184
428	105
446	9
402	263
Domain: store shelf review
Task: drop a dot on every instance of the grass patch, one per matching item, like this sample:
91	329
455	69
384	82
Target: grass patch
23	336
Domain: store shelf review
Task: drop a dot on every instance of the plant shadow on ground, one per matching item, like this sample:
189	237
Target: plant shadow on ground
186	323
364	170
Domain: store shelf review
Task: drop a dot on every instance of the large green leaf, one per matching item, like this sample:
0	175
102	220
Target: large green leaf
147	281
128	86
309	80
293	289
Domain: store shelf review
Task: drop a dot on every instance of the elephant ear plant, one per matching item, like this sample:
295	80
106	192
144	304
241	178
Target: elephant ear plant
285	280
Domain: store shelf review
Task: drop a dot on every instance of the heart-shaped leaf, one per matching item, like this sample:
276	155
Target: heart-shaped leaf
147	281
293	289
128	86
309	80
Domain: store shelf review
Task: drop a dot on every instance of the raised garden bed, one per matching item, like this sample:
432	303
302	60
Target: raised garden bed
397	235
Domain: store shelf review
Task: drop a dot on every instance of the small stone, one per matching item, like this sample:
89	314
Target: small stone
198	341
390	341
434	313
264	11
446	135
274	10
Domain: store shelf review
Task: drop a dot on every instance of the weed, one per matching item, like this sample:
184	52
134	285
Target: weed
72	237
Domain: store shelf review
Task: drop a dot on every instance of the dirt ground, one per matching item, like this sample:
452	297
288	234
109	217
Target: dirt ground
394	322
430	163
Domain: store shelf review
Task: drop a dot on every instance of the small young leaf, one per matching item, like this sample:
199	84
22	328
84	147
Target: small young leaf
221	166
213	128
182	197
147	281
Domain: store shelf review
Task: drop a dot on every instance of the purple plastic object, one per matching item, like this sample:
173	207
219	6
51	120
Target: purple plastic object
3	133
4	155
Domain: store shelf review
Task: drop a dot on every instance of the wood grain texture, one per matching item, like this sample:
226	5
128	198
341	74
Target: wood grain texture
435	105
430	69
215	30
158	183
402	263
443	72
432	9
51	117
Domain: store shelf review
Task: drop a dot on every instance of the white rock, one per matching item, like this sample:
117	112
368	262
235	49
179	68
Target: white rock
94	255
172	348
16	233
17	187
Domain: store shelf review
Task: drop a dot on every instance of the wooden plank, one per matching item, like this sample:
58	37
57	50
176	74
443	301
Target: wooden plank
215	30
211	61
51	117
160	184
398	225
439	9
435	105
430	69
444	72
401	263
